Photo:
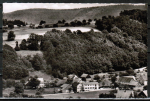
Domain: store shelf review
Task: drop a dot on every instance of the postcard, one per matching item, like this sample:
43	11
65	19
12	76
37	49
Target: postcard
75	50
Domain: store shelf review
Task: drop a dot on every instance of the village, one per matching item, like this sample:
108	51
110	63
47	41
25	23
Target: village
121	86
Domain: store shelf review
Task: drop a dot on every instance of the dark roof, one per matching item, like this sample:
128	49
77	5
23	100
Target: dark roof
65	86
143	92
125	79
84	75
106	82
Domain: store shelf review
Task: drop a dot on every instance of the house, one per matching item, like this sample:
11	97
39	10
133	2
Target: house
61	82
86	77
42	83
143	94
90	86
61	25
48	25
124	94
80	87
74	78
128	81
66	88
142	79
77	80
65	78
103	75
105	83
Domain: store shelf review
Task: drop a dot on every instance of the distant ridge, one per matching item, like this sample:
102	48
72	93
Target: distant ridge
53	15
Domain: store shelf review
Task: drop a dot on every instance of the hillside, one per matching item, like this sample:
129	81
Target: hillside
52	16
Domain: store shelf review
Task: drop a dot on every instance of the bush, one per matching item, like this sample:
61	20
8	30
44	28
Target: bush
68	31
10	25
11	36
55	25
25	95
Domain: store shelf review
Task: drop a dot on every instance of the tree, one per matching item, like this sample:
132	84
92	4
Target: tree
10	25
17	47
19	88
96	77
74	86
84	22
63	21
11	36
90	20
55	25
23	45
42	22
79	23
73	23
113	79
33	82
59	21
66	24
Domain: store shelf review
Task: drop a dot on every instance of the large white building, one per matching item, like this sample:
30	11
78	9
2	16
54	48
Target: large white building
87	86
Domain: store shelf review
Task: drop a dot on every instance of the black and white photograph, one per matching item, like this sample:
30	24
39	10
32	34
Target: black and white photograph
75	50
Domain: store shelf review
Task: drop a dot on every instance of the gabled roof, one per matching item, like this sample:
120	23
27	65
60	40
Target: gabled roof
65	86
60	82
71	75
77	80
106	82
130	77
84	75
41	80
89	83
126	79
144	92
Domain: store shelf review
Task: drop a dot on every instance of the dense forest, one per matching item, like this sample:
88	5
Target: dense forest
121	44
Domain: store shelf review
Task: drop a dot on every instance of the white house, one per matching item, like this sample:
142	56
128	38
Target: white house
41	85
87	86
90	86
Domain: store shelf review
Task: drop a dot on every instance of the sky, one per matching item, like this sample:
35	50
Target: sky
10	7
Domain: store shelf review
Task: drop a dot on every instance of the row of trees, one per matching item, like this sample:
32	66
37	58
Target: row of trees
32	43
11	23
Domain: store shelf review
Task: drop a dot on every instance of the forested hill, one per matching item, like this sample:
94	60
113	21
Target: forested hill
52	16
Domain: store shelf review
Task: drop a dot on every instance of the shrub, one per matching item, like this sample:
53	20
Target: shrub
11	36
68	31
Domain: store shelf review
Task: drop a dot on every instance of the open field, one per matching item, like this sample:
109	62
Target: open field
24	32
51	90
7	91
93	94
28	52
40	75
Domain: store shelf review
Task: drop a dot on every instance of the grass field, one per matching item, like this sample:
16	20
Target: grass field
7	91
40	75
51	90
28	52
93	94
30	91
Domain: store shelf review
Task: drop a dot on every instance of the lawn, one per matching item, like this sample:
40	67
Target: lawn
51	90
28	52
93	94
7	91
30	91
40	75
